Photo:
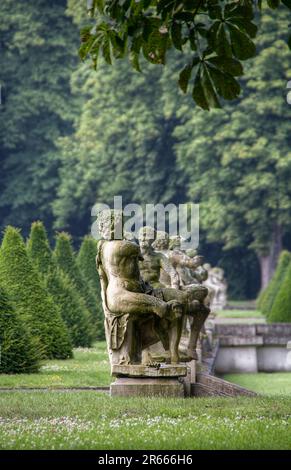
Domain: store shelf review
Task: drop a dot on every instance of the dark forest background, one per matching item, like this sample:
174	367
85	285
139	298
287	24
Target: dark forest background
71	137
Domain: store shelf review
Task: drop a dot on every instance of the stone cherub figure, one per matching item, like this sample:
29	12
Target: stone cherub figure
160	270
135	317
217	287
155	267
191	274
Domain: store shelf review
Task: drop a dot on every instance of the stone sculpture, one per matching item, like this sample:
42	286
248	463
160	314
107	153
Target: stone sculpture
191	274
139	309
135	315
217	287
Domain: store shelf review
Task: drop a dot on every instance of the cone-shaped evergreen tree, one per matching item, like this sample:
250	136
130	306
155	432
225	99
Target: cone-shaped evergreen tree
66	260
71	305
19	351
275	284
38	248
86	260
22	282
281	308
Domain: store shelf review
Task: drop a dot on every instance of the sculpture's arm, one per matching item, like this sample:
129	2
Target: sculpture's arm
167	266
180	259
201	274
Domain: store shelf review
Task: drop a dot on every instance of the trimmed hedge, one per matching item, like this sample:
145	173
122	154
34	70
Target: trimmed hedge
86	261
274	286
23	283
73	308
66	260
281	308
71	305
19	351
38	248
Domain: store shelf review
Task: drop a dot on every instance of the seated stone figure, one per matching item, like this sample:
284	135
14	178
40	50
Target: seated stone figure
158	269
135	317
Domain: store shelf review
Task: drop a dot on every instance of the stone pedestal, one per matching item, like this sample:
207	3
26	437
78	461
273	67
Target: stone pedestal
139	380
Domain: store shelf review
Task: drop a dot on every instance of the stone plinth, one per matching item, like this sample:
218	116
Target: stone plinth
147	387
139	370
139	380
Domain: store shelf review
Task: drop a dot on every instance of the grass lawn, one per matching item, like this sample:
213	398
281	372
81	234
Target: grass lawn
268	383
242	304
241	314
89	367
93	420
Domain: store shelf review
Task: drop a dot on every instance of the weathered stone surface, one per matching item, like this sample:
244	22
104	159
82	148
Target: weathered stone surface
216	386
140	370
147	387
240	340
253	348
235	330
274	359
238	334
274	329
143	315
236	359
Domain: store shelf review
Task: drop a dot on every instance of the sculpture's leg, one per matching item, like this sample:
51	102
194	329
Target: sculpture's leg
174	339
162	329
135	303
197	322
146	358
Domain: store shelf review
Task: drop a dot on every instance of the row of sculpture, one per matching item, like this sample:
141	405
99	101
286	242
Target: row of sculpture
150	288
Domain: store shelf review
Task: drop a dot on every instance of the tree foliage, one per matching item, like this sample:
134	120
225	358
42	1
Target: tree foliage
66	260
86	261
19	351
238	160
214	37
68	299
22	282
270	293
281	308
73	308
38	52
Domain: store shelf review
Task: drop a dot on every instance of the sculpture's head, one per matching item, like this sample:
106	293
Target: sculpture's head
146	236
130	237
207	266
162	241
191	253
175	242
110	224
219	273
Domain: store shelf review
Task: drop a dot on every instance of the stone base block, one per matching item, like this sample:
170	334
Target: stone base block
147	387
140	370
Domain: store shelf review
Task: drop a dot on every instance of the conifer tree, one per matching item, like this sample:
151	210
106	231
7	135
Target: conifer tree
19	351
274	285
281	309
38	248
86	261
66	260
71	305
22	282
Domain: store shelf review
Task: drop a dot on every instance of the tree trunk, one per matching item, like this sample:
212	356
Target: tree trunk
268	262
